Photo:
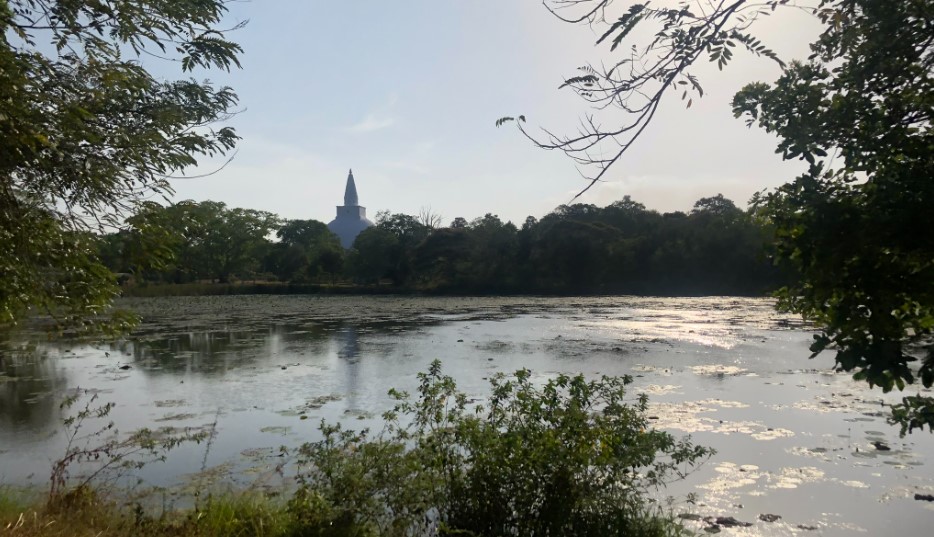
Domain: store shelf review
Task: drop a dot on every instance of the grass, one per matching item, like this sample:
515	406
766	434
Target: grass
246	514
13	502
85	514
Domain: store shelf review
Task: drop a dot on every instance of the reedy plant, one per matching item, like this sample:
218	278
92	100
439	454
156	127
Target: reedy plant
103	449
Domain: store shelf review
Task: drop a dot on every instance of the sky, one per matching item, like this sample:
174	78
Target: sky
406	94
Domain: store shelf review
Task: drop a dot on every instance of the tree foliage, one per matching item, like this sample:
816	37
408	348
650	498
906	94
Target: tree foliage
622	248
857	226
86	132
307	250
386	250
190	241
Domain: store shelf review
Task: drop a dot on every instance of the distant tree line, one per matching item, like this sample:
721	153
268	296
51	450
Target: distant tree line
716	248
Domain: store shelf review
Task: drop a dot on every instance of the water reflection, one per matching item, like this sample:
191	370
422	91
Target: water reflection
348	344
348	351
216	353
29	380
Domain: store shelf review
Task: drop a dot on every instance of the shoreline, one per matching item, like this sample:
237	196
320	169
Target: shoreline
283	288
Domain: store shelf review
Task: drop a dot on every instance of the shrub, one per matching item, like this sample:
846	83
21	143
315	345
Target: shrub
569	458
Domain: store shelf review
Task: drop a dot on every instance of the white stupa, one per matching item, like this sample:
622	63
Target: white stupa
351	217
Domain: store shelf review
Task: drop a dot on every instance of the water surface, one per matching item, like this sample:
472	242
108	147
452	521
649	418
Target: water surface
794	439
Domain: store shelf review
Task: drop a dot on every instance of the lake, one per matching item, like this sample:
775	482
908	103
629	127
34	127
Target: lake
793	438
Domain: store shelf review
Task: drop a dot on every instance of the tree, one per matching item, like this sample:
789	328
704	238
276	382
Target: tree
717	206
306	233
728	248
86	132
374	254
231	239
429	218
856	226
409	232
407	228
441	259
494	248
155	241
191	240
307	249
571	251
859	226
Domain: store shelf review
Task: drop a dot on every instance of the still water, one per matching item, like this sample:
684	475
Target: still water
260	372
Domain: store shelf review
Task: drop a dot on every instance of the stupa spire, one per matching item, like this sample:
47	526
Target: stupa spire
351	217
350	193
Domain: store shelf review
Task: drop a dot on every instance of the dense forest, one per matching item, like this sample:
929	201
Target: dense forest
716	248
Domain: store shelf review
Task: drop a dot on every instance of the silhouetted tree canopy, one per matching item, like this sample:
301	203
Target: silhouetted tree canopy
621	248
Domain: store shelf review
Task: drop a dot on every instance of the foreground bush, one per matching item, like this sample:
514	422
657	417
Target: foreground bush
569	458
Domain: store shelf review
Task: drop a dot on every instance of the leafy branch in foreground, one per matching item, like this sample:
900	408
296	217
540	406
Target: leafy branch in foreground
568	458
858	224
87	133
638	79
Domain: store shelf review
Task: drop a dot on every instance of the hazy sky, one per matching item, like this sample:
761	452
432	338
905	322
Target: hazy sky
406	93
